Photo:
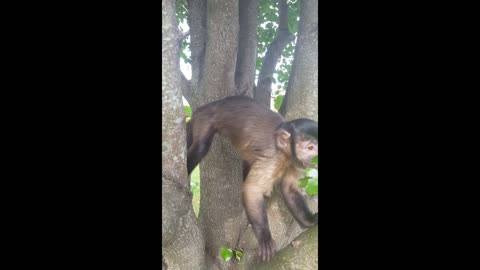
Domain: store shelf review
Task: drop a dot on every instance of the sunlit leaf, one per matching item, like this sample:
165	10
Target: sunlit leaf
226	254
303	182
188	110
278	101
238	254
312	187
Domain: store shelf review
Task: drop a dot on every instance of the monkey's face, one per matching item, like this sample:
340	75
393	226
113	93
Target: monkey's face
306	150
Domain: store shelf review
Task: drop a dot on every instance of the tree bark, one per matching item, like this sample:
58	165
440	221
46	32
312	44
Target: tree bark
302	90
181	235
247	48
263	91
197	20
221	214
293	257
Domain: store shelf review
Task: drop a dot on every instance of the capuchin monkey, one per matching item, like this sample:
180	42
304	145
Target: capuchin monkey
274	152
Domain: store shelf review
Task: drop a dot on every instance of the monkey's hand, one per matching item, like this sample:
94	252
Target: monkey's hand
266	248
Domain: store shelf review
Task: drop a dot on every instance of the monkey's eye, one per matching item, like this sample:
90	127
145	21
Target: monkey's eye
310	148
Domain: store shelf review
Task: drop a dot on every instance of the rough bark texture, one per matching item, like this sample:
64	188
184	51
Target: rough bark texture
181	235
221	214
263	91
197	20
301	254
303	82
247	48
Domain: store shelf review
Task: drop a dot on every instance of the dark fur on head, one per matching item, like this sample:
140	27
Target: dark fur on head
301	126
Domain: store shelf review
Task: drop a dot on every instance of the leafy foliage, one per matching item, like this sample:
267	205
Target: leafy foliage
181	10
278	101
182	17
195	189
227	254
267	29
188	110
310	181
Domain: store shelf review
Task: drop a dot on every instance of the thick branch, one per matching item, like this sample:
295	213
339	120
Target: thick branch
301	254
264	86
247	48
302	91
197	21
181	234
283	13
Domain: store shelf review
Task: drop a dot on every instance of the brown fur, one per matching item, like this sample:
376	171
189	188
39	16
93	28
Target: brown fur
253	130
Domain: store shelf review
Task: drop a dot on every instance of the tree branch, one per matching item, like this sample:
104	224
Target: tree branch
247	48
264	86
301	254
197	21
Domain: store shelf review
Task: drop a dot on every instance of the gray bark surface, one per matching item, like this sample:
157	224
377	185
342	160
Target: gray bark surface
247	48
301	254
221	214
181	235
302	90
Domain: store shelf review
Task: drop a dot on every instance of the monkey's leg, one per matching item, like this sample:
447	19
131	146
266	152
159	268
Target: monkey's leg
253	200
295	202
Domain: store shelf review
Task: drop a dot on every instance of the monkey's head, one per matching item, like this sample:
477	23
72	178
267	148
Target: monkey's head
299	139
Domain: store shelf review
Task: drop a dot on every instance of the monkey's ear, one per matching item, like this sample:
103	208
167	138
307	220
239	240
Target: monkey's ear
283	138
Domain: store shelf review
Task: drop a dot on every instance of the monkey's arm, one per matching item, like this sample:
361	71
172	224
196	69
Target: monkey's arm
254	203
296	204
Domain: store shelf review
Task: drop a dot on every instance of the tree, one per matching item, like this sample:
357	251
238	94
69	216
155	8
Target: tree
230	42
181	233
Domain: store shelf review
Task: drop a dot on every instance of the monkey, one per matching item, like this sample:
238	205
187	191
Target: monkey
273	151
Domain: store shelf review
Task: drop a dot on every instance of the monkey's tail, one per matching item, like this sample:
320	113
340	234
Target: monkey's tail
189	134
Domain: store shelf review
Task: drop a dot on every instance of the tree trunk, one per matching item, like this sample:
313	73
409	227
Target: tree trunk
197	20
181	235
221	214
302	91
247	48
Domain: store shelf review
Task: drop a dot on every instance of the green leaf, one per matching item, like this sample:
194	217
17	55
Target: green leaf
226	254
188	110
312	187
238	254
303	182
278	101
